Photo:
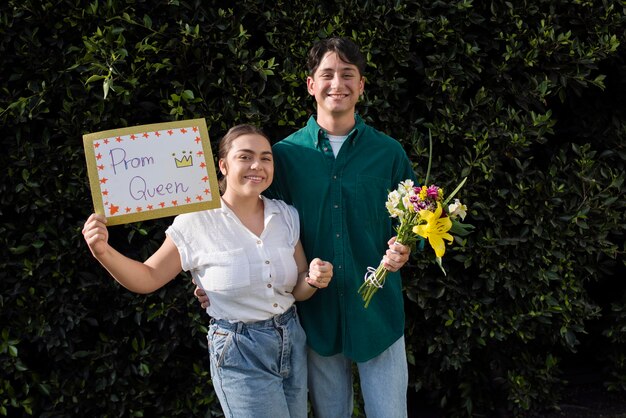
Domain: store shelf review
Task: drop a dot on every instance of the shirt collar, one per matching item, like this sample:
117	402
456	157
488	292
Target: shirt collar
316	133
270	207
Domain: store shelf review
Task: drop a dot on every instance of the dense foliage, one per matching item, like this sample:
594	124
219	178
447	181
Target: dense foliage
521	97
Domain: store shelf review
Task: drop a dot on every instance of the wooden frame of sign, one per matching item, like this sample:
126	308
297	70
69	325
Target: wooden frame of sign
151	171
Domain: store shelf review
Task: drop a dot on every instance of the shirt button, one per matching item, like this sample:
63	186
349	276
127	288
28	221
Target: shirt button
336	206
340	266
338	235
259	242
269	285
275	305
335	177
267	261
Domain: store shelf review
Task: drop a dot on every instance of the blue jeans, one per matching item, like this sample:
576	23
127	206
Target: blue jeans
384	381
259	369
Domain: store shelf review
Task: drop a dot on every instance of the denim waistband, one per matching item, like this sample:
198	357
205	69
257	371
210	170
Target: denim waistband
273	322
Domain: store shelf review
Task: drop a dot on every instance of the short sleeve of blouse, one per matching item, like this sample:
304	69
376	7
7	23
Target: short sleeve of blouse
292	219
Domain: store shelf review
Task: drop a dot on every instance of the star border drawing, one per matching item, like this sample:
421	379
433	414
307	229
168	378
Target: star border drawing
151	171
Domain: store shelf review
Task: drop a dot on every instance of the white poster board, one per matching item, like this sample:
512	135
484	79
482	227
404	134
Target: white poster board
151	171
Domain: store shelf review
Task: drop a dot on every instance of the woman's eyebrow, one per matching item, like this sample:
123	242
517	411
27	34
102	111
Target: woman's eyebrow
249	151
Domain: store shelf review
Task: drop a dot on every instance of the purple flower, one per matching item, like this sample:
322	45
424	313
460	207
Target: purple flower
419	205
433	192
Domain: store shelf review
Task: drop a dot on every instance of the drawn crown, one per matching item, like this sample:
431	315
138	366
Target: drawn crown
186	161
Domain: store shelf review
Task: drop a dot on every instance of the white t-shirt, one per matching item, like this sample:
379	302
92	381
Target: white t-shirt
247	278
336	141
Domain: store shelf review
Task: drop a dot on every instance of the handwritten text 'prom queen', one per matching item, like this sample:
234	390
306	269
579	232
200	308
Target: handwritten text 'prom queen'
138	186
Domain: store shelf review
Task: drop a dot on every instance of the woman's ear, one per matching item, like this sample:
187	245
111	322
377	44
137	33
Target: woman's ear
222	165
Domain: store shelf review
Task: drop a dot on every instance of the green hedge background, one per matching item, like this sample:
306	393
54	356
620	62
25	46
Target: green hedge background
524	98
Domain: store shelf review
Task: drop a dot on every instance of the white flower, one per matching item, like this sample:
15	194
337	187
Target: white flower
393	200
406	201
394	197
457	209
395	212
406	186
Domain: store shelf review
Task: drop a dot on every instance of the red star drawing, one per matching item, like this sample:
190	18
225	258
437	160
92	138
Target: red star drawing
133	137
101	167
157	134
105	193
96	144
145	135
183	130
199	198
202	164
188	200
103	180
106	141
170	132
207	191
113	209
128	210
162	204
118	139
198	140
139	208
205	179
200	153
175	202
99	156
195	129
150	207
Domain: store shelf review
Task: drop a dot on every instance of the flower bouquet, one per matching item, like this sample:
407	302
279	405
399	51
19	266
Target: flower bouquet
424	214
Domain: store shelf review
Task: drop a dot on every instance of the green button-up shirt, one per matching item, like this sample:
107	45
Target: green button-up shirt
341	202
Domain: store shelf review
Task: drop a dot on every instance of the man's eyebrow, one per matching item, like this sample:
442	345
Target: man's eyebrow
346	68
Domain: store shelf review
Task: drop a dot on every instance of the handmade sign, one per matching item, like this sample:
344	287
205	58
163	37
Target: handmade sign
151	171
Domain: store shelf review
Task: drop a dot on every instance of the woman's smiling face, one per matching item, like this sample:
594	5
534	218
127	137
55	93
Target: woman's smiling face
248	166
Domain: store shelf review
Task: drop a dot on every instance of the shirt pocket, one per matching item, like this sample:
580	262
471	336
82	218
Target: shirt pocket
225	270
372	194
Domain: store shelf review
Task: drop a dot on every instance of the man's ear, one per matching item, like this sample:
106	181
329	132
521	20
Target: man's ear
310	85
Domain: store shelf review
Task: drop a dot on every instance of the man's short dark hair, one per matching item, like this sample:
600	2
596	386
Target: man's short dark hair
347	51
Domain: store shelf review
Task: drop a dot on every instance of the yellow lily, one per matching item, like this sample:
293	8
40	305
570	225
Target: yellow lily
435	229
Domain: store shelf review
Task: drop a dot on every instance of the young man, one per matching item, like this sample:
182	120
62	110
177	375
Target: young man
337	172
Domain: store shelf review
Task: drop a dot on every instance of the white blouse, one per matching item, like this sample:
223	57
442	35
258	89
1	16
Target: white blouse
247	278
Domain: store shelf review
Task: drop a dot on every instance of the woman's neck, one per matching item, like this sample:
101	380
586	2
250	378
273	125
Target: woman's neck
249	211
244	205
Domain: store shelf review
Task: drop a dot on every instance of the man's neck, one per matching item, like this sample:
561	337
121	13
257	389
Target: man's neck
336	124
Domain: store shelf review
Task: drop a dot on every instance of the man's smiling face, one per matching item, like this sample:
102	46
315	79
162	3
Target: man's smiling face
336	86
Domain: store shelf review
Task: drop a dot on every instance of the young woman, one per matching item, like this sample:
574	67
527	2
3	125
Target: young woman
248	258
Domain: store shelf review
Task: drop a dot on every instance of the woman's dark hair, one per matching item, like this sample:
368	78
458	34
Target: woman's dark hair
226	143
347	51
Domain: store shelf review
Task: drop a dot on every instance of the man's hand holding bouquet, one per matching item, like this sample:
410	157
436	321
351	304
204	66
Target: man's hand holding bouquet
424	213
